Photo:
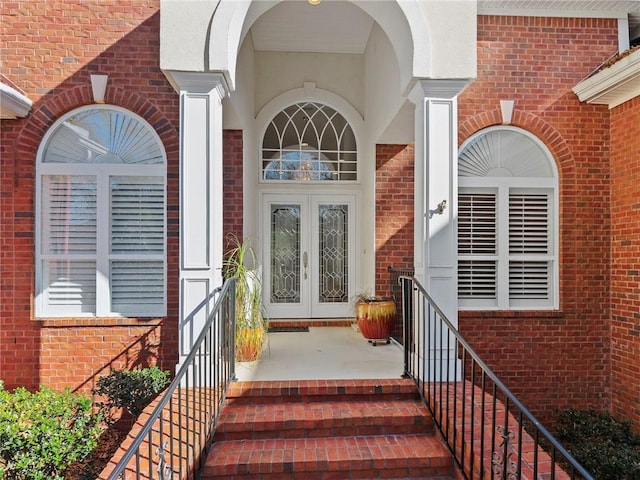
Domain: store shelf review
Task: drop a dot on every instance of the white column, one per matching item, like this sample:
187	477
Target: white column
436	188
201	182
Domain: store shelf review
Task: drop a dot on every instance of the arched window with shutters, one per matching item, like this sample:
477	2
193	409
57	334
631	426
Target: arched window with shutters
100	216
507	222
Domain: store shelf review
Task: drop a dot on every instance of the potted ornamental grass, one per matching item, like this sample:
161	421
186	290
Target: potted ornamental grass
251	321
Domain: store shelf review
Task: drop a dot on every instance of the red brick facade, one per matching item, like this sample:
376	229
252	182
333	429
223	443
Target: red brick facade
625	260
232	189
394	212
584	354
74	352
560	359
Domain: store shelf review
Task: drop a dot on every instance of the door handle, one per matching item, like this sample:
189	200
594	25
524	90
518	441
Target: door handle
305	260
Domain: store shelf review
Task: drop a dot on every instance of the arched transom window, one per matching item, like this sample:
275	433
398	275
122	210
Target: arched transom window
309	141
507	222
100	217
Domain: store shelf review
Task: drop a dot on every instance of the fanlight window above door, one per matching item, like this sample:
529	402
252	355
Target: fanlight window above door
309	141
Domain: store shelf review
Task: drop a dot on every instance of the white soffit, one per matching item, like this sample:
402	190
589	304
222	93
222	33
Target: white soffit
13	104
613	85
566	8
577	7
297	26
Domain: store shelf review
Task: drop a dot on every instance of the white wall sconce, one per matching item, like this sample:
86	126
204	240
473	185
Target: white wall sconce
506	107
99	87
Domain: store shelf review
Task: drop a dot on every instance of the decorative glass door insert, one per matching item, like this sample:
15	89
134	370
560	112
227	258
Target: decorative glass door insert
285	254
333	237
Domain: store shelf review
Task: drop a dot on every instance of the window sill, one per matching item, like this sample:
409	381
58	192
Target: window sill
510	314
100	322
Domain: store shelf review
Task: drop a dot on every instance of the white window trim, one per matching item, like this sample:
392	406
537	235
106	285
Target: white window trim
102	172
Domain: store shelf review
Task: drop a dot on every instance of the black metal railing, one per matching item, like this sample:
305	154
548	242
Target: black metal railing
174	440
396	294
487	429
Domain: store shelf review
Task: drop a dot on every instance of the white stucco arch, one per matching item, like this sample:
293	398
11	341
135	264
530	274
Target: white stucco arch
434	39
403	22
418	51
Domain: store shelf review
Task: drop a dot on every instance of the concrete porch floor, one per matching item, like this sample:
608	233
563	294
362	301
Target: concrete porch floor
323	353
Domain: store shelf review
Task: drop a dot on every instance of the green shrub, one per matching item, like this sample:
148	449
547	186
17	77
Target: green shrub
605	446
42	433
131	389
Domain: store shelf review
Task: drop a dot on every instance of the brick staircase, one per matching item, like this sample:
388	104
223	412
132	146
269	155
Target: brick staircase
326	430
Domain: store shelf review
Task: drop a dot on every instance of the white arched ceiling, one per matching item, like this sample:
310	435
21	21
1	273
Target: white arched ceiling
402	22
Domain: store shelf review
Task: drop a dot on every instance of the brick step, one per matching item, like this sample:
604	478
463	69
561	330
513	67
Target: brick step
323	419
380	456
319	390
326	430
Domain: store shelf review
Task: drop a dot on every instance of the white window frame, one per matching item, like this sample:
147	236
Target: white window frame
502	186
103	173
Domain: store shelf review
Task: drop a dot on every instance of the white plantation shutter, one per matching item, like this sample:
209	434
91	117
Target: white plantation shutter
477	224
506	222
137	215
528	223
101	217
528	280
69	214
477	279
529	238
137	244
137	286
477	246
68	243
71	287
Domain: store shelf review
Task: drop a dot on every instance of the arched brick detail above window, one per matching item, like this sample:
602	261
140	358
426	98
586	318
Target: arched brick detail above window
56	105
533	124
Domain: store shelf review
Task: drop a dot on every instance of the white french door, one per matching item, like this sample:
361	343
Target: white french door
309	260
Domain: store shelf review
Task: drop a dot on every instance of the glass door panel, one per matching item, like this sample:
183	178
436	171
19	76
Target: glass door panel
333	238
285	236
332	251
285	254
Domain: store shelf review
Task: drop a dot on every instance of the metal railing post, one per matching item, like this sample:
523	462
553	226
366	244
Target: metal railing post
406	323
232	333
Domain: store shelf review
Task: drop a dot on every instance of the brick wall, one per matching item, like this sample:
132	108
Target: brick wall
625	260
561	359
394	212
75	39
233	205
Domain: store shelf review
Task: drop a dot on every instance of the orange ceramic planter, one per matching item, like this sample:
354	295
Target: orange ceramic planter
376	318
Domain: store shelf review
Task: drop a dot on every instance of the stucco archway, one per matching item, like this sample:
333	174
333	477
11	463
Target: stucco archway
206	36
398	64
